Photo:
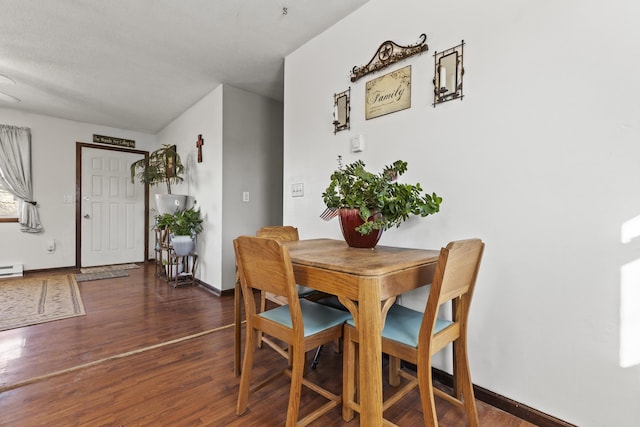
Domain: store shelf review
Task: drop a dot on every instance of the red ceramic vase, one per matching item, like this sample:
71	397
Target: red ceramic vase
349	220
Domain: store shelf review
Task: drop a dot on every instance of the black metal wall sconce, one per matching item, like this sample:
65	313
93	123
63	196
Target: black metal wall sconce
342	111
449	69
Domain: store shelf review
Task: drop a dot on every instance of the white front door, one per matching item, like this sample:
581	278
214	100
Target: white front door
112	209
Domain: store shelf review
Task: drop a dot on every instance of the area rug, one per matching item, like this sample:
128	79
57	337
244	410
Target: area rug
99	275
29	301
108	268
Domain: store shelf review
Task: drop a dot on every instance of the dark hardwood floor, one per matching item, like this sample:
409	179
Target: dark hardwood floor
149	354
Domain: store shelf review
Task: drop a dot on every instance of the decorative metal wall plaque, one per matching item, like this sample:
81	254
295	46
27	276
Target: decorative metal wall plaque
388	93
389	53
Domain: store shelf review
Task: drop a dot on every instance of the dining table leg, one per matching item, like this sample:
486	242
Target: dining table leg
370	356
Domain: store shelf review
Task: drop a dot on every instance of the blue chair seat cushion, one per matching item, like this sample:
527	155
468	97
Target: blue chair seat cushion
403	325
316	317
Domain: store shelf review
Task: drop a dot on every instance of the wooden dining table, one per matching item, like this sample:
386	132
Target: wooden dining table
367	282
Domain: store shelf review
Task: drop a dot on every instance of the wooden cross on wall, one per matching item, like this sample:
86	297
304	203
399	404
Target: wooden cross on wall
199	144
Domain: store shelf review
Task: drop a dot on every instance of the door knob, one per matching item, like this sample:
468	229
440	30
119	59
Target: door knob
86	216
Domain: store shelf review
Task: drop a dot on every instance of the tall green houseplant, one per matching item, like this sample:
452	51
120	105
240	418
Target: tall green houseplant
164	166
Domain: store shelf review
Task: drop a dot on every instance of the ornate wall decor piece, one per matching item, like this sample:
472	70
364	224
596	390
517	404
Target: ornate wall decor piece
389	53
342	111
171	166
388	93
199	144
447	80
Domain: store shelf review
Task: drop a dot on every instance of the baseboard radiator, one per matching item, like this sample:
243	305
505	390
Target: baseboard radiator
14	270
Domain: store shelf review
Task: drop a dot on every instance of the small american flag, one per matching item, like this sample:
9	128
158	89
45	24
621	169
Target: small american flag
329	213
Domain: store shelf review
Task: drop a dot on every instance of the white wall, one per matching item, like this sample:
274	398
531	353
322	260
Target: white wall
540	160
203	181
252	163
242	152
53	147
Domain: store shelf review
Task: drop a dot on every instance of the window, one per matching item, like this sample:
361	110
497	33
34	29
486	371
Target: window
15	175
8	207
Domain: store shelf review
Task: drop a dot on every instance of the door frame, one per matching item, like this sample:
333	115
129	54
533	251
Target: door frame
79	147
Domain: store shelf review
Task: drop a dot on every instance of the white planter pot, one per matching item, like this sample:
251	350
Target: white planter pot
169	203
182	245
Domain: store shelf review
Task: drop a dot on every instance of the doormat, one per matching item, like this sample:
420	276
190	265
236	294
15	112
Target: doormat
108	268
30	301
99	275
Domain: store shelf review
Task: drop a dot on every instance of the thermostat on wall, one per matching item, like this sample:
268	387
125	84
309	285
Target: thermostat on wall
357	143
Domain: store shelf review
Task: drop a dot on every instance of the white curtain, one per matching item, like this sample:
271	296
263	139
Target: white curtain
15	174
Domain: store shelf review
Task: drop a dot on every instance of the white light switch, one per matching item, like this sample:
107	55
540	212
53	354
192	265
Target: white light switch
245	196
357	143
297	189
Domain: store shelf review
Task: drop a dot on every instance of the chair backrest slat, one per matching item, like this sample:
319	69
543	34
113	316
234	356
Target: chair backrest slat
283	233
454	279
462	264
263	263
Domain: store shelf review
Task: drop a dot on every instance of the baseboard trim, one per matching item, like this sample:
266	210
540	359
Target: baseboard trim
504	403
208	287
217	292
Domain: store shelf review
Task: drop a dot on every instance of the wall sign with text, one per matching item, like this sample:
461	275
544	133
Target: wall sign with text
111	140
389	93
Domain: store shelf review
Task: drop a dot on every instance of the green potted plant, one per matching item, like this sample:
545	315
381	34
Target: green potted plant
369	203
162	166
183	225
186	222
163	223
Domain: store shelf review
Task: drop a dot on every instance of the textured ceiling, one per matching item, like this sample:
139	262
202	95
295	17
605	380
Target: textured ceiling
138	64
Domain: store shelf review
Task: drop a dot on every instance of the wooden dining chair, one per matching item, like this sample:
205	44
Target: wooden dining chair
265	265
415	337
282	233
